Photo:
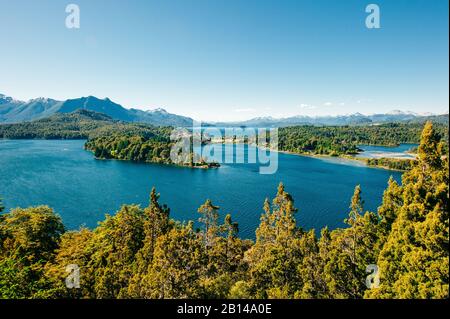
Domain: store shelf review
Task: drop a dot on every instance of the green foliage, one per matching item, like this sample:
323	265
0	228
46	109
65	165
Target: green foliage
80	124
151	148
130	147
341	140
414	260
350	251
28	240
391	163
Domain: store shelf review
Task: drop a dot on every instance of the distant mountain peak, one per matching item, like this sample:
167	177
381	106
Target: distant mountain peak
158	110
8	99
42	100
400	112
38	108
5	99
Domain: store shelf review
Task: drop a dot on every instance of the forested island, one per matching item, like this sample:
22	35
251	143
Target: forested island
138	148
344	140
143	253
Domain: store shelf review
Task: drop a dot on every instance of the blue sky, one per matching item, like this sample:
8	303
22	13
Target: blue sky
230	59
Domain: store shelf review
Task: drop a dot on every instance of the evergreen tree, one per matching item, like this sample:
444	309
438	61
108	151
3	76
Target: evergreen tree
225	264
210	215
113	250
28	240
415	258
279	249
156	224
392	201
178	265
350	251
391	204
73	250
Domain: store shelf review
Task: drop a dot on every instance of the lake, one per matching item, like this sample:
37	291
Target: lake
399	152
82	190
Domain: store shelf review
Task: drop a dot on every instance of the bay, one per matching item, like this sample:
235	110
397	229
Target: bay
81	189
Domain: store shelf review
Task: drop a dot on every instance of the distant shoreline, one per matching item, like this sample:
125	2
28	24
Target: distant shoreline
346	157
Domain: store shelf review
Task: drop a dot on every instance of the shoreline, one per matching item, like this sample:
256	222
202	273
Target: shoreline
147	162
347	157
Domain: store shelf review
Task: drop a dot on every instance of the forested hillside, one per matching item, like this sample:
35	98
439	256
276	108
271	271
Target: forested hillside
143	253
80	124
340	140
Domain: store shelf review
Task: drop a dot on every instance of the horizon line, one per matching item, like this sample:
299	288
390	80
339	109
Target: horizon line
400	111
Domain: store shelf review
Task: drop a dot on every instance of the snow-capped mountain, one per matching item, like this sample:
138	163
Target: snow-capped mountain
13	111
347	119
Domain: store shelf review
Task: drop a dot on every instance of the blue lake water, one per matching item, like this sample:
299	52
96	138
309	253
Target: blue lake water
82	190
400	151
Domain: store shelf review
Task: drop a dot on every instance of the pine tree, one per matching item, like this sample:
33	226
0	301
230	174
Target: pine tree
156	224
225	264
415	258
113	250
350	251
210	215
280	246
73	250
28	241
392	201
177	266
388	211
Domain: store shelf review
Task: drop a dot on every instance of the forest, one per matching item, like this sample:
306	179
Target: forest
344	140
80	124
143	253
153	149
390	163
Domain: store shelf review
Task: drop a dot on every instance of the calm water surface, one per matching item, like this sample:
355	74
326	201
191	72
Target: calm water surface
81	189
400	152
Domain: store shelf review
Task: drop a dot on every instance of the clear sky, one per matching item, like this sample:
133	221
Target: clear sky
231	59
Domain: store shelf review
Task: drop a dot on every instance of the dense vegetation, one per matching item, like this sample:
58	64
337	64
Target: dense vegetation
140	148
390	163
341	140
81	124
142	253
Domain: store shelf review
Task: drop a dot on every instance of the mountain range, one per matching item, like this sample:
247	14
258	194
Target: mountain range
14	111
350	119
